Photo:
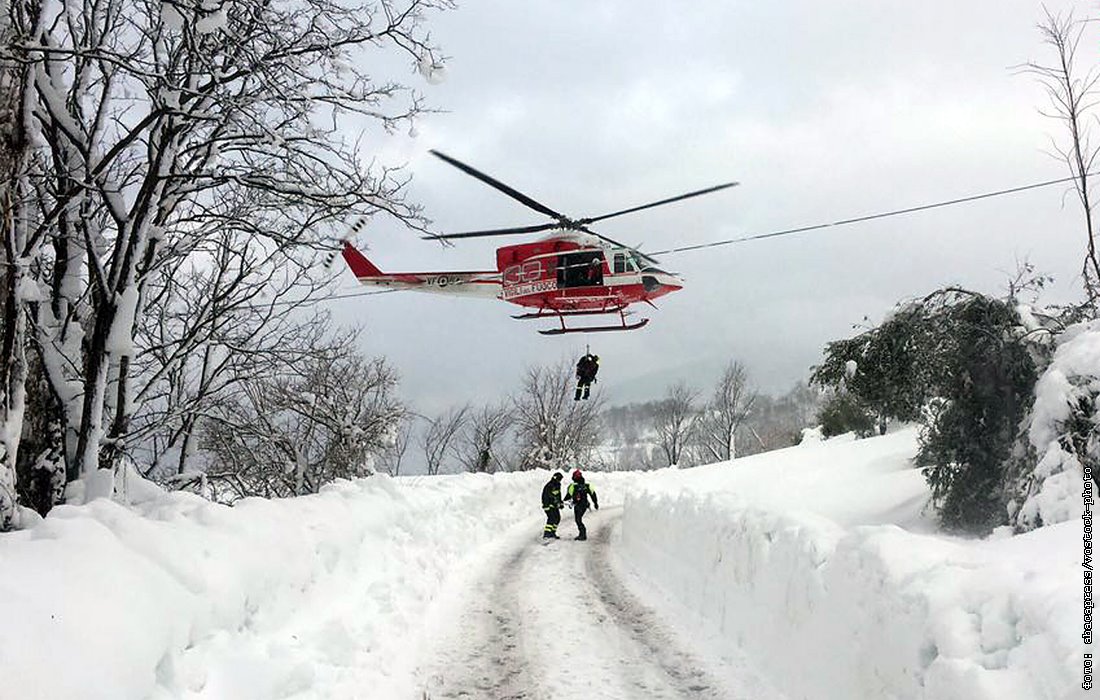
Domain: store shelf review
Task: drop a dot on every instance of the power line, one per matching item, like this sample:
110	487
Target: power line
318	300
351	295
867	217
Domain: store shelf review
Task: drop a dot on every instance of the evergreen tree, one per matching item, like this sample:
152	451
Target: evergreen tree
956	361
983	379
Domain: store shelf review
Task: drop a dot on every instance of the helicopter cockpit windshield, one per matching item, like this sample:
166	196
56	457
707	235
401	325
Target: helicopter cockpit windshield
629	261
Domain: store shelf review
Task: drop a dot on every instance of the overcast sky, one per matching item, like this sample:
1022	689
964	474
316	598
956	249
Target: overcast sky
822	111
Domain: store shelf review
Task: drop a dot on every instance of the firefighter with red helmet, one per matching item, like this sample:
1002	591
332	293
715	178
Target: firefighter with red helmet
578	494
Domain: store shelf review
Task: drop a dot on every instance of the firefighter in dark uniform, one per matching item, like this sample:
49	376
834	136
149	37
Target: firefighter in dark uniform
551	503
578	493
587	368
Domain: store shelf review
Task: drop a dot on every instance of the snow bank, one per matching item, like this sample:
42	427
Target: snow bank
1067	399
183	598
794	558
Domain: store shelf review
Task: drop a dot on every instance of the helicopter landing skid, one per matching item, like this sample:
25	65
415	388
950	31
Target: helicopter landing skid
595	329
622	326
556	314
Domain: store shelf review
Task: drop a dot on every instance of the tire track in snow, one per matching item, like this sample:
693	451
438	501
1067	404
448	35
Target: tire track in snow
493	663
680	670
544	620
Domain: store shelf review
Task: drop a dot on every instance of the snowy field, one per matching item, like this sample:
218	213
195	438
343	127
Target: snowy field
812	572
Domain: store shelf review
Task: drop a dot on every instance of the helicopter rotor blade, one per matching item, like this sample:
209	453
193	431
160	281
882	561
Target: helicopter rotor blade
500	186
493	232
613	242
670	200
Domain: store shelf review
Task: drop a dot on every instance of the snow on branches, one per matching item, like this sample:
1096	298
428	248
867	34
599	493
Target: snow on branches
168	139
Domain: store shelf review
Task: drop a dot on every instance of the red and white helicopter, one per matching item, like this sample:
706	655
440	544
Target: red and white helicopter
574	271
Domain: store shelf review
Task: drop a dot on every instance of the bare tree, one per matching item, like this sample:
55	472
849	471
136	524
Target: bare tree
676	422
323	417
552	430
205	328
440	437
480	445
169	129
391	458
1072	97
723	417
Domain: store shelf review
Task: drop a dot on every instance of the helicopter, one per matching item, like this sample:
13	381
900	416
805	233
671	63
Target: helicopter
573	271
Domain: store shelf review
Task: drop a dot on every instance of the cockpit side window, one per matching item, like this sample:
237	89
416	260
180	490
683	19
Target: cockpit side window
620	263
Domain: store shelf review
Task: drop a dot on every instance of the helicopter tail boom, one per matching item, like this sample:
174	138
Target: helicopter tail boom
476	284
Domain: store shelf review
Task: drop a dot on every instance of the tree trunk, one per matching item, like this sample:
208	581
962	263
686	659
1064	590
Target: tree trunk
13	361
108	459
90	434
185	447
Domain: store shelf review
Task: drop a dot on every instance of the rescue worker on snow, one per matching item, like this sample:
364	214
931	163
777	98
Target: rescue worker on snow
587	367
551	503
578	493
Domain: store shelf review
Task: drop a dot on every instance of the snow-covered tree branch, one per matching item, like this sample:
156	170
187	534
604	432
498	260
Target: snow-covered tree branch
723	416
481	447
325	415
182	142
676	422
554	431
440	438
1072	95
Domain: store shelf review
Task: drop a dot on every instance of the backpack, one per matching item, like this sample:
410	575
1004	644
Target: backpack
586	368
580	492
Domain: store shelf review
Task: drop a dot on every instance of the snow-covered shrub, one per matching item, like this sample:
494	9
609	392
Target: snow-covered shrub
1063	435
843	413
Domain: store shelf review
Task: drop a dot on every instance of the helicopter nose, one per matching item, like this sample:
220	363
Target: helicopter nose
661	281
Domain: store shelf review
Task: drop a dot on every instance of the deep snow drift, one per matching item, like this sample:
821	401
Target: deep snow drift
815	564
818	560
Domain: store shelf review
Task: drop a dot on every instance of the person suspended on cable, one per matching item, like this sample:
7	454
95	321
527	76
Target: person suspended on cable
578	494
587	368
551	504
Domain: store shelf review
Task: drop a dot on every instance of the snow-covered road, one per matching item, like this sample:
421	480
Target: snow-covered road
812	570
546	619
